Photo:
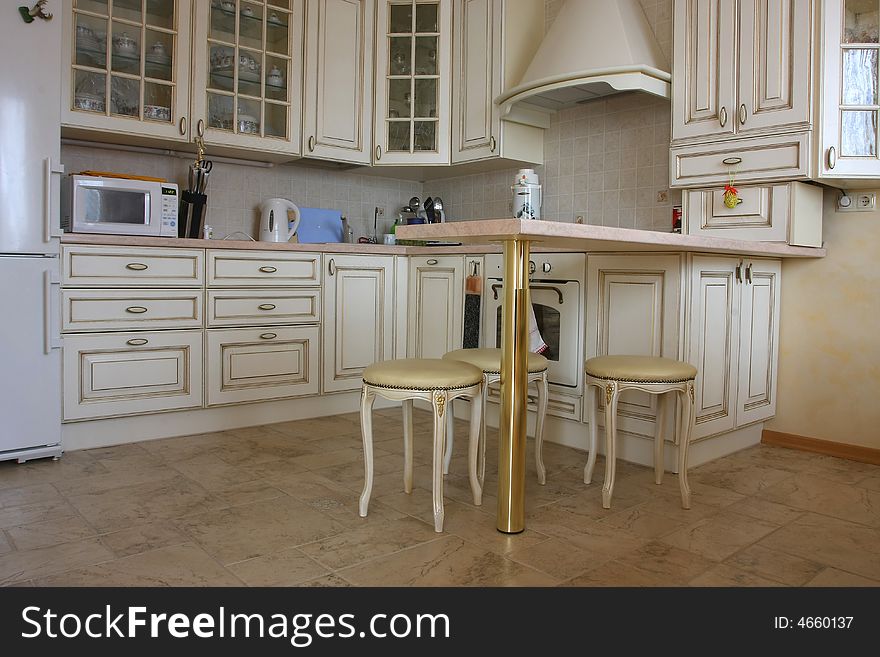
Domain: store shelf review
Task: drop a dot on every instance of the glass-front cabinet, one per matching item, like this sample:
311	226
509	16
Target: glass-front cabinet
247	74
128	64
411	113
850	89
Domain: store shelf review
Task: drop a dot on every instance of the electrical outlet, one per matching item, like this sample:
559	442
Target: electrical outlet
860	202
380	212
662	196
866	201
579	219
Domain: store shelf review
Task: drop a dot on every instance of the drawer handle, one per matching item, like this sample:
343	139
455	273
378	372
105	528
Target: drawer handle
137	342
743	114
266	306
730	161
722	117
136	266
311	143
378	153
136	310
492	144
331	267
432	261
268	336
832	157
268	270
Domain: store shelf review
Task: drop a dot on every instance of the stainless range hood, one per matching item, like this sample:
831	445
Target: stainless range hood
594	48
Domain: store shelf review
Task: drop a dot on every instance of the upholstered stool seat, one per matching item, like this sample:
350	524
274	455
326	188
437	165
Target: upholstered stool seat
489	362
656	376
433	380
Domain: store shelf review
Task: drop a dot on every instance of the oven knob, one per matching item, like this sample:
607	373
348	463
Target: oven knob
545	267
531	267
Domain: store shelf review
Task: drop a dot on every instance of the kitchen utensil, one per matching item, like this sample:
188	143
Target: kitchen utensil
415	204
429	210
439	214
275	224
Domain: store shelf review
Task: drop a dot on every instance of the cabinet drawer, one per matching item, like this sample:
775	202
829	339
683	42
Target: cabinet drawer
755	159
111	374
259	268
103	266
115	310
263	307
258	364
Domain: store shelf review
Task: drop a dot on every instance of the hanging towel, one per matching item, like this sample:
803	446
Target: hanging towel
536	342
473	289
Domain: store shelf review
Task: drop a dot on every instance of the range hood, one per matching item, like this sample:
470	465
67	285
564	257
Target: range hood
594	48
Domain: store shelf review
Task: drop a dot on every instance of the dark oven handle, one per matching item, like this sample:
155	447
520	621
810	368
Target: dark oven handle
533	286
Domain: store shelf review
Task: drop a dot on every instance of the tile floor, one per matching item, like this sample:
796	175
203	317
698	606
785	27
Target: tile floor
277	505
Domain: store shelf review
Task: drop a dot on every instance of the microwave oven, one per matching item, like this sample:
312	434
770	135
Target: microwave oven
119	206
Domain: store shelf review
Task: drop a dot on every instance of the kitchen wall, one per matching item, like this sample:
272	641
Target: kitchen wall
606	161
236	190
829	351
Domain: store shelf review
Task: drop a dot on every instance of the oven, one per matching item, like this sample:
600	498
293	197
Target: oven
556	285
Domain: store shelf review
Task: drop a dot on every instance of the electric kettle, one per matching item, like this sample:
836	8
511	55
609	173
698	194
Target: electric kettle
275	223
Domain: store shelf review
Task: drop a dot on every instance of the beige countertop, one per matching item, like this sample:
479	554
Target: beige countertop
596	238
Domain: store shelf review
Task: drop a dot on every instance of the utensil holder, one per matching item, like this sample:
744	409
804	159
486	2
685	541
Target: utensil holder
191	217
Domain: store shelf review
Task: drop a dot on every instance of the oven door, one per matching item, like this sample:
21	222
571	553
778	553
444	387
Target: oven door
557	312
120	207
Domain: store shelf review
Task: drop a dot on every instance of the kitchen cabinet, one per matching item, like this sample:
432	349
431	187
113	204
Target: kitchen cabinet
436	302
411	119
112	310
358	326
493	44
107	266
733	341
229	268
338	80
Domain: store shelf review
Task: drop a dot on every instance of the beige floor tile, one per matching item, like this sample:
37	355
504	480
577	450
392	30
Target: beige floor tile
588	502
213	473
413	504
615	573
327	459
176	565
328	580
772	564
745	478
375	539
447	561
812	493
120	477
251	491
30	564
726	575
25	514
559	558
144	538
52	532
835	577
775	457
643	523
665	563
839	470
252	530
871	482
5	545
10	497
756	507
181	448
286	568
719	536
844	545
590	535
43	471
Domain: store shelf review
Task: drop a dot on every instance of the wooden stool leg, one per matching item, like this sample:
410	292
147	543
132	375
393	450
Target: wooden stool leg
439	406
450	438
611	394
367	399
474	449
484	398
660	437
407	445
684	441
592	418
539	428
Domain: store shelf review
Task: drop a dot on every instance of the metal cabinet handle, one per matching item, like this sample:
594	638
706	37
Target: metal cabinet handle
832	157
743	114
492	144
749	273
534	286
136	266
311	143
137	342
731	161
268	336
268	270
183	125
136	310
266	306
722	117
378	152
738	272
200	128
331	267
432	261
48	170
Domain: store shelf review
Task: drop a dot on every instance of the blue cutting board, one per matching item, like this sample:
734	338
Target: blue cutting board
319	225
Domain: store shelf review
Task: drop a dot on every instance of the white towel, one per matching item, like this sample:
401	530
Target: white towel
536	342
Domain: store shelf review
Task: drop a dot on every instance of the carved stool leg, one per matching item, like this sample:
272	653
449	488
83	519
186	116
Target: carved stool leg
593	418
612	393
407	445
367	399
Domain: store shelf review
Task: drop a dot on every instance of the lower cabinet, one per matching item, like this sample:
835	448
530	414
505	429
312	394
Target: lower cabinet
436	301
111	374
260	364
358	317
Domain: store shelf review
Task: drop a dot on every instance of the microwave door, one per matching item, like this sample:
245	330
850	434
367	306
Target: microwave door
112	209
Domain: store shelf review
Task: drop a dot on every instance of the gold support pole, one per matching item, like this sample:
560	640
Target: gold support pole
514	378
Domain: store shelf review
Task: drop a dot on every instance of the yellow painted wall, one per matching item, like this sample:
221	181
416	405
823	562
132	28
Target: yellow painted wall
829	356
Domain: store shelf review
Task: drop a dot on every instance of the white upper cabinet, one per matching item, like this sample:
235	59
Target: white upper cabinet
412	100
338	80
493	43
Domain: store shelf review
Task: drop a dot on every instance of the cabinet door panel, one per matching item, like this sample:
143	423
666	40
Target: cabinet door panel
775	55
703	92
435	302
759	342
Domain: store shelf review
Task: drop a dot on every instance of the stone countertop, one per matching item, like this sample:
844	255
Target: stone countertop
592	239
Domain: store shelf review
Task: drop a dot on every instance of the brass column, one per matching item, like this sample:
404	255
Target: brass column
514	378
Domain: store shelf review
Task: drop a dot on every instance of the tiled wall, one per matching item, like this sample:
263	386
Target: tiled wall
606	161
235	191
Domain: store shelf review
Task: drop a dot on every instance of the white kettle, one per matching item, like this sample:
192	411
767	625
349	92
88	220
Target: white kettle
275	223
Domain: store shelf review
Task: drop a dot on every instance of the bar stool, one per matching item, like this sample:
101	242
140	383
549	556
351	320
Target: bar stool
489	361
656	376
433	380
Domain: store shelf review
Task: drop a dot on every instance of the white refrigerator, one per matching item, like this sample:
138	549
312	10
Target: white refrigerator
30	152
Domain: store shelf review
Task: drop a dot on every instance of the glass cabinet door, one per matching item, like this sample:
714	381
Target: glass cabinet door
129	65
248	79
412	105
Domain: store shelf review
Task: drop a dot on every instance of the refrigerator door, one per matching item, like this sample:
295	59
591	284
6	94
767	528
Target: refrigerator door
30	355
30	131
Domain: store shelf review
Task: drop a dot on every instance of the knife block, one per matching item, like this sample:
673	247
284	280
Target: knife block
191	215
